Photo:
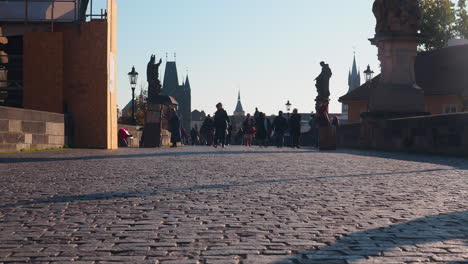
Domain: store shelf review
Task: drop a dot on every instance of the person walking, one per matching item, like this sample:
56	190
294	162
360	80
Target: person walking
221	123
249	130
194	135
206	131
264	130
229	135
280	126
295	126
174	128
314	129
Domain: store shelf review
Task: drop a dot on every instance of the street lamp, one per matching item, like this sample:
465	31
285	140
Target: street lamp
288	107
133	76
369	73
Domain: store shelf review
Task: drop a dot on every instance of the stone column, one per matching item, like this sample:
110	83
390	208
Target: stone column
397	91
396	36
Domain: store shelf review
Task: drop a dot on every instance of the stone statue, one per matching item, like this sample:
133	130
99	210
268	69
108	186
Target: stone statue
323	82
393	16
152	75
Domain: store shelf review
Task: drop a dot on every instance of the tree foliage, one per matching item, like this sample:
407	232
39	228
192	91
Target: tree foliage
140	105
462	20
438	23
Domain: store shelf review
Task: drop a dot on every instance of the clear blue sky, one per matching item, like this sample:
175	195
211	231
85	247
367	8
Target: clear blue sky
269	49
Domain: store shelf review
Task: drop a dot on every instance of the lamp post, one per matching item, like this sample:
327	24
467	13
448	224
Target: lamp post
369	74
133	76
288	107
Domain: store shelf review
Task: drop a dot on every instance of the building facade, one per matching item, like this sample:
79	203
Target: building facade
442	76
61	62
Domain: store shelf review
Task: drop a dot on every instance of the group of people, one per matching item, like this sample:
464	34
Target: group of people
258	129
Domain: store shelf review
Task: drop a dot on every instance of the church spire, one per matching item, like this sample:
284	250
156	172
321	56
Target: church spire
239	110
187	83
354	77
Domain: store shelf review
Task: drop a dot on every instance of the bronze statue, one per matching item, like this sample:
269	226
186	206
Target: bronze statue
152	75
323	82
393	16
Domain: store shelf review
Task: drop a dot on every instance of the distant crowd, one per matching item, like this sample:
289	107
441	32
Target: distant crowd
217	131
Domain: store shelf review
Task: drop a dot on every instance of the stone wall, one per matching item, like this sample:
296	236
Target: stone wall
437	134
29	129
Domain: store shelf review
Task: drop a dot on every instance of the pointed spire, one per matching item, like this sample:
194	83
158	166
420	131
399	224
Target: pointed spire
187	83
354	77
239	109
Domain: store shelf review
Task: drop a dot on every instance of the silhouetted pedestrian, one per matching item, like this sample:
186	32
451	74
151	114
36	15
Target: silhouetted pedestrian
264	130
174	128
314	129
221	123
295	127
249	130
206	130
280	126
194	135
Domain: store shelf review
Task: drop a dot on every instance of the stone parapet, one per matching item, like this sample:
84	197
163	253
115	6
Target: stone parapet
437	134
28	129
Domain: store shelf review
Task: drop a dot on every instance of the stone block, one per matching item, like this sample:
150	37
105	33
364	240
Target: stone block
28	138
22	146
34	127
57	140
14	126
55	129
14	138
41	146
40	139
7	147
4	125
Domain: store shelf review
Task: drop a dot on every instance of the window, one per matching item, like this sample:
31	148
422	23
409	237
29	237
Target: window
451	108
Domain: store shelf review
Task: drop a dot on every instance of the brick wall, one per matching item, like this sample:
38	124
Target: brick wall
29	129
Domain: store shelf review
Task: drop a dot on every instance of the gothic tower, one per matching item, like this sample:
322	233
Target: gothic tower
182	93
354	81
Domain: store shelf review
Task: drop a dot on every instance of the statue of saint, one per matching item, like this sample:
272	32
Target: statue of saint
401	16
152	76
323	82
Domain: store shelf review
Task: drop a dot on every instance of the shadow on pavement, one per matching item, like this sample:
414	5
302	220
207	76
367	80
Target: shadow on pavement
359	246
145	193
147	155
458	162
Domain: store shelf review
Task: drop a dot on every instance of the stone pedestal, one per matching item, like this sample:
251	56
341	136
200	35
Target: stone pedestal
152	130
397	91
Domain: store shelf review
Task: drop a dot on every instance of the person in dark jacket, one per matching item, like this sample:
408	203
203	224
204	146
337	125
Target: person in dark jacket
314	129
194	135
295	127
280	126
248	128
229	135
264	130
221	123
206	130
174	128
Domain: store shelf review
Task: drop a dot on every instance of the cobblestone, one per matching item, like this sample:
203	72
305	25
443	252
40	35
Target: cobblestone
235	205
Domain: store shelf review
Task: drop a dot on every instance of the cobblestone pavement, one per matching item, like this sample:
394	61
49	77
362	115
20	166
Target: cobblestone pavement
237	205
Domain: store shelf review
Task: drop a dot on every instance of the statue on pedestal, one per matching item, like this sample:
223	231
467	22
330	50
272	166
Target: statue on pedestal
323	83
402	16
152	75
